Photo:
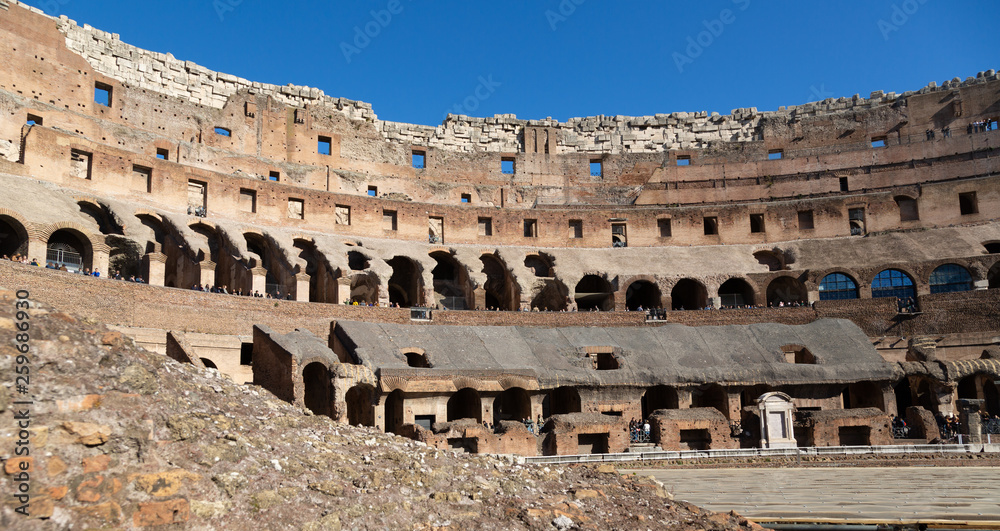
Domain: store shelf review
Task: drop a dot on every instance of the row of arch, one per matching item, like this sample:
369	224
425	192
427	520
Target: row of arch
450	282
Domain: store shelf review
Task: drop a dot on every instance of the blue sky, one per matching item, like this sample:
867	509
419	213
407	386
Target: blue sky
415	61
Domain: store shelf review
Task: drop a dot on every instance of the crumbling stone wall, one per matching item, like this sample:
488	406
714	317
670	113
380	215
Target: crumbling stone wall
691	429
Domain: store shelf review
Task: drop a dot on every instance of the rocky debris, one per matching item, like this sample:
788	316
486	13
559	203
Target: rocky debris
125	438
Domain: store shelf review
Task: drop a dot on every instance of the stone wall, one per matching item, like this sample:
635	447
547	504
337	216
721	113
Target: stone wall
691	429
844	427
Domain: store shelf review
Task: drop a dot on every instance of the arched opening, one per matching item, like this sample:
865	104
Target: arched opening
465	404
893	283
394	411
563	400
710	395
837	286
773	260
749	395
357	261
950	278
993	277
13	237
512	404
553	296
658	397
323	285
785	291
364	289
539	264
278	279
360	405
688	295
866	394
209	364
451	282
417	360
594	293
405	284
318	390
644	294
992	247
69	248
904	396
501	290
735	293
980	387
926	397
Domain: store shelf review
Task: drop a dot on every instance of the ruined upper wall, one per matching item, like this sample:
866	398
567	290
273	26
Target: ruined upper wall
165	74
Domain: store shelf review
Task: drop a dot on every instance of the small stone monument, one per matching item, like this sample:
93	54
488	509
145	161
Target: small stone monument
776	421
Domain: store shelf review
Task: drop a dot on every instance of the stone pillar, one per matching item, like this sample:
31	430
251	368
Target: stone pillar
259	279
487	405
155	265
479	296
715	302
380	412
733	403
889	399
981	284
684	399
38	249
344	289
302	287
972	425
100	261
207	277
536	406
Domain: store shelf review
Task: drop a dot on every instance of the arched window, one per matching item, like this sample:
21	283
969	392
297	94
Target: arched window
950	277
837	286
893	283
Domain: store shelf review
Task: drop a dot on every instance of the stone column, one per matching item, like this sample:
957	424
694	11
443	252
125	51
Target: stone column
487	405
155	265
343	289
100	260
479	297
38	249
302	287
259	279
733	403
207	277
684	399
972	425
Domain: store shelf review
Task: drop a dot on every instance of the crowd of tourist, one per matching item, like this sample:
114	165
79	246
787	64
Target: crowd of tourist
982	126
639	431
57	266
239	292
907	305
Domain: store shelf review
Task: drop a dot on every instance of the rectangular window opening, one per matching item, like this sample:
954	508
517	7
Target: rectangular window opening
530	228
683	160
596	168
102	94
775	154
878	142
323	145
619	235
34	120
856	217
576	229
342	215
248	200
507	166
81	163
968	204
711	226
843	185
486	226
419	159
373	191
435	229
907	209
142	179
222	131
466	198
274	176
296	209
663	225
162	154
756	223
806	220
389	220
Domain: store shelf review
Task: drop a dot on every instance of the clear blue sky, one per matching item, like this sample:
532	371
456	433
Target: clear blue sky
566	58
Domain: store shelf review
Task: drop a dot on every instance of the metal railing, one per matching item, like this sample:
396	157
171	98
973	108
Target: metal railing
908	449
